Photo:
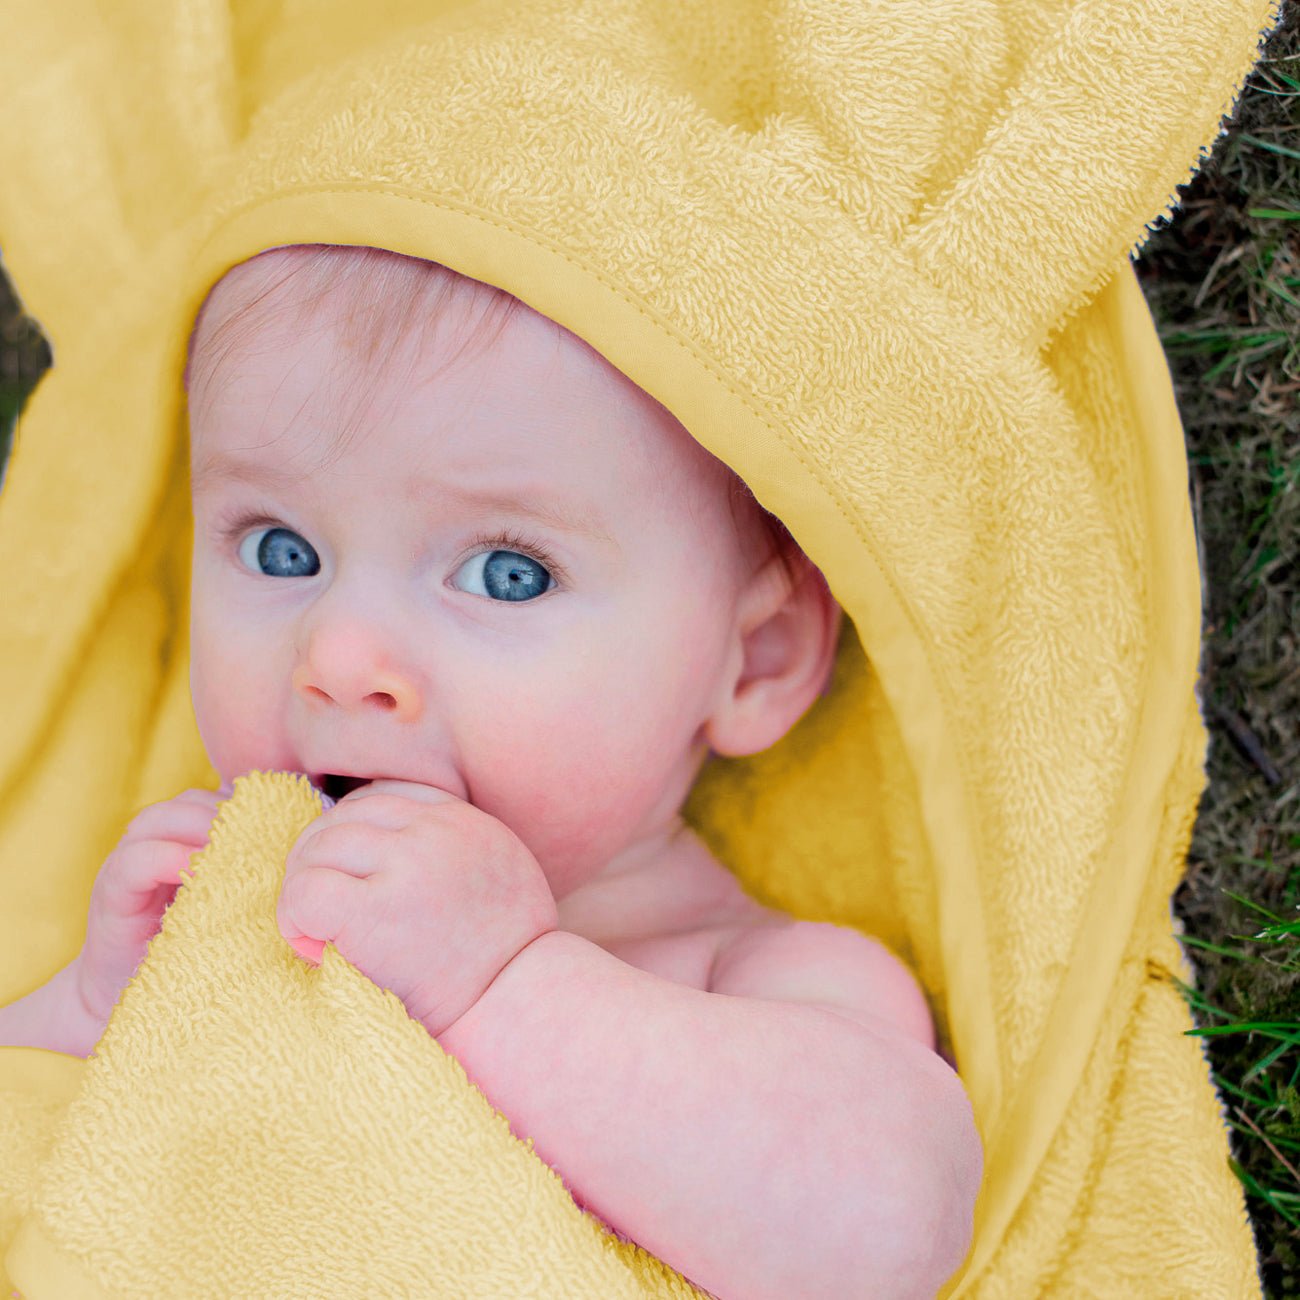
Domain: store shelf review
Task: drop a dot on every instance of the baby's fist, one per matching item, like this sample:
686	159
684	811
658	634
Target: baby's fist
422	892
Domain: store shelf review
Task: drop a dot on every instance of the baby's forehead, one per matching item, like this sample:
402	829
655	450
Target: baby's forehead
385	312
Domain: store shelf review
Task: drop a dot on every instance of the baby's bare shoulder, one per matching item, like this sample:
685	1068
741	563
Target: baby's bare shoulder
826	965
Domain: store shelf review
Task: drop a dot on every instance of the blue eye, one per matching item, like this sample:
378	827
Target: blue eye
509	575
509	566
280	554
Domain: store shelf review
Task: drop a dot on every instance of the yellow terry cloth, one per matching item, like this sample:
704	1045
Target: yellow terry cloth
252	1092
874	256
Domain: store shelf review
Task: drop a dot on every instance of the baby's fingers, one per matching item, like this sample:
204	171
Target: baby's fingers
314	906
187	819
138	872
354	847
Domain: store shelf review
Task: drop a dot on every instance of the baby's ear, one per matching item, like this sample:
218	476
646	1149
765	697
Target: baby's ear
787	633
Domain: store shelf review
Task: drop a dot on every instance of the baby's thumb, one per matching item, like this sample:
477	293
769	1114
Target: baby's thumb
308	949
304	945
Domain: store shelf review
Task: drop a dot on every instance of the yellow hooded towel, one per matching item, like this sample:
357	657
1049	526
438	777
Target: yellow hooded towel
875	256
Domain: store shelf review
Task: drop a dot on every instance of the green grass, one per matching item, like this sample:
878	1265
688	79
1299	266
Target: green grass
1223	283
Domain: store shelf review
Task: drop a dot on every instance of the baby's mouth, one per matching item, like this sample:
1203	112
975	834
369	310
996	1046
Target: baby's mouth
337	786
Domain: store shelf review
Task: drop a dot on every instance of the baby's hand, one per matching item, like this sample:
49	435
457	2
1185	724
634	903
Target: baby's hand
134	888
423	893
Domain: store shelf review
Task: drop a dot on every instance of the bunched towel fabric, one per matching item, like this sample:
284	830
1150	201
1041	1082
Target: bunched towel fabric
251	1087
874	256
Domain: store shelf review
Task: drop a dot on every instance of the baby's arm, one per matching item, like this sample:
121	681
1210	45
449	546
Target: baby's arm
764	1148
52	1017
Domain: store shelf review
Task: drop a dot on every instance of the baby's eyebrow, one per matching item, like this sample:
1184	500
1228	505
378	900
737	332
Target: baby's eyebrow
218	469
551	515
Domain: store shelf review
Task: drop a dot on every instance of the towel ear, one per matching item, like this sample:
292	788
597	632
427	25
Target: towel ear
993	168
1046	155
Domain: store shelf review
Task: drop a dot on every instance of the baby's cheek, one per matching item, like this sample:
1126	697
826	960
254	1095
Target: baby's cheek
547	779
537	779
235	720
582	752
586	803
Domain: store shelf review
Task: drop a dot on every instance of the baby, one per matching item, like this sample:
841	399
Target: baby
496	601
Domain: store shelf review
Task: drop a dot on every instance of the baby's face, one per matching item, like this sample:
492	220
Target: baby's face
394	606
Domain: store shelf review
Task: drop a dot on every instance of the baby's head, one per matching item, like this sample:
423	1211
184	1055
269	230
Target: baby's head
438	537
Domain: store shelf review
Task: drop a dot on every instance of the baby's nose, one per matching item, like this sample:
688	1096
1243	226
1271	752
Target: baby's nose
358	688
